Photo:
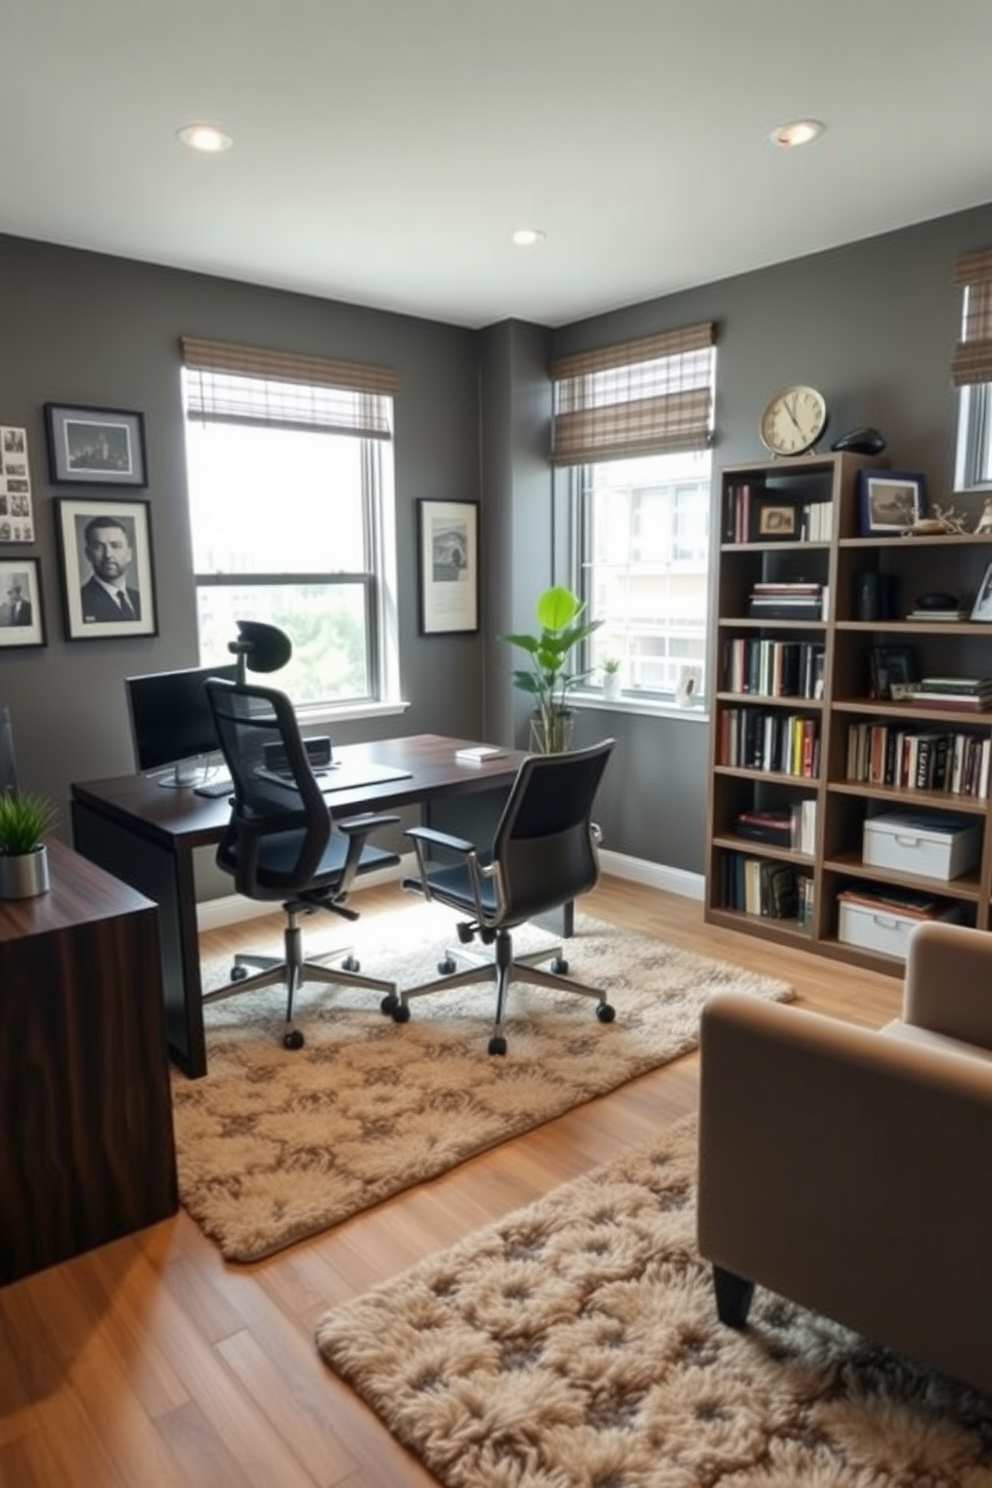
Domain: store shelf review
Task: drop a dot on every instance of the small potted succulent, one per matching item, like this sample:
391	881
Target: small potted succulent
24	820
611	677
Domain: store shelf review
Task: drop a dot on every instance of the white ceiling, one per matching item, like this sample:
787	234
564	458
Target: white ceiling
384	150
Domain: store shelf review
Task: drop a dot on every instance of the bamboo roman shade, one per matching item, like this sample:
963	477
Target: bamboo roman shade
635	398
226	383
972	360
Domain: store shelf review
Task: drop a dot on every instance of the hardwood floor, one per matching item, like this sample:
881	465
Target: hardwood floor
150	1363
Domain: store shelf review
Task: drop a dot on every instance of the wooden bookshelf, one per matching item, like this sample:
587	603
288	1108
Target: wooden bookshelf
751	777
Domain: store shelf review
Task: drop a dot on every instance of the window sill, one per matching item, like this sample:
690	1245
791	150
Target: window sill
637	706
346	712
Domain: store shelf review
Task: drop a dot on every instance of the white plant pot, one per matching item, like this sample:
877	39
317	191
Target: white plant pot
24	876
611	686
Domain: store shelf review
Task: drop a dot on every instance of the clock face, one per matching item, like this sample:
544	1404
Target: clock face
793	420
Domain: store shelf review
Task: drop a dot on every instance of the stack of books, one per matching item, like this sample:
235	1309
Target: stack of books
946	615
968	694
799	600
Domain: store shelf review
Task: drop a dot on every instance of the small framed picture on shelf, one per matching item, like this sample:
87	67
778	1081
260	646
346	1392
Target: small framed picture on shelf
891	501
894	672
774	520
982	608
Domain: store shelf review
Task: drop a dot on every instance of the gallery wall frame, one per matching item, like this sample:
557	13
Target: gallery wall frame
891	501
22	617
448	559
95	446
105	545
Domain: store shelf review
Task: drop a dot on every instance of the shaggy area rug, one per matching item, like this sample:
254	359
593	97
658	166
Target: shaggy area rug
276	1145
575	1344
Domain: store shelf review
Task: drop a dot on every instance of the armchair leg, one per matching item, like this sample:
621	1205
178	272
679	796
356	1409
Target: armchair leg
733	1297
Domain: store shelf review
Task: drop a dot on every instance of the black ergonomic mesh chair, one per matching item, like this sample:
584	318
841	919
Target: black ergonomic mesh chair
281	844
543	854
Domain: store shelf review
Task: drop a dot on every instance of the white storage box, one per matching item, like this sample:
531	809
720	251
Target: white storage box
926	843
881	927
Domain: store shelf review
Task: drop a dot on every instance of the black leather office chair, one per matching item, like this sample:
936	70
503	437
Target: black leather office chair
543	854
281	844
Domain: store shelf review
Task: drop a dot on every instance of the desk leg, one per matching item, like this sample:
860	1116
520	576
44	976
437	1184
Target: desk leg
167	878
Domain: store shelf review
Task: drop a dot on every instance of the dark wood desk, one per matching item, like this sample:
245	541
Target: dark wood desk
146	836
85	1106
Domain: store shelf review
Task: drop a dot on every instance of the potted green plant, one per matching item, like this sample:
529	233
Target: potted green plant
611	676
24	820
548	680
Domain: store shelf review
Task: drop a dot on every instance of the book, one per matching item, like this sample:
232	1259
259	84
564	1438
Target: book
956	685
939	615
478	754
953	701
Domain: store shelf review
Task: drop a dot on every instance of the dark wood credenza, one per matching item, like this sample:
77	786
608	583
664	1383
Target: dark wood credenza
86	1140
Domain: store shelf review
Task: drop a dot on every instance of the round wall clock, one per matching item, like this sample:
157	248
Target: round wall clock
794	419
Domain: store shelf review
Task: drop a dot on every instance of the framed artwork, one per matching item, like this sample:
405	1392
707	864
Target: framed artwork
774	520
95	446
448	549
105	557
22	621
16	521
890	502
982	608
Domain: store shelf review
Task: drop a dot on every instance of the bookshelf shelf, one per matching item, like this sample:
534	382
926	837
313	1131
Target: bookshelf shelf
825	489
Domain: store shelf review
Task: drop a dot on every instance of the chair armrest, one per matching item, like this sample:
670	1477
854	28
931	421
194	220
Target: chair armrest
948	987
435	838
849	1172
366	824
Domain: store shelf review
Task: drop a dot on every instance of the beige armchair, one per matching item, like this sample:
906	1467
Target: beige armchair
851	1170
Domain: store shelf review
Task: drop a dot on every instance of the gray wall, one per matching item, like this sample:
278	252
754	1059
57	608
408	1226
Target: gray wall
873	325
81	328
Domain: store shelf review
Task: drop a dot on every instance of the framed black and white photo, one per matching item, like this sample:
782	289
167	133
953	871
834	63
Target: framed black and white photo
449	566
105	556
22	621
982	608
95	446
891	502
16	520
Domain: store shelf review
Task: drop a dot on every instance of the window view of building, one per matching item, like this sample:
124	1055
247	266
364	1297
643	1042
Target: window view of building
644	564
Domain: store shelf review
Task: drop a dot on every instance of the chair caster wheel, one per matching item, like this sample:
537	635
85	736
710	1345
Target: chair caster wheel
446	967
605	1013
466	933
238	973
401	1012
389	1004
559	966
293	1039
351	964
497	1044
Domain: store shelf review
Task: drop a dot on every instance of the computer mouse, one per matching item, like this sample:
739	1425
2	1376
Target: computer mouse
863	441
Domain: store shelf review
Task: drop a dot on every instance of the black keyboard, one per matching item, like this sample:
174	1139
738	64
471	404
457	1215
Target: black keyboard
214	788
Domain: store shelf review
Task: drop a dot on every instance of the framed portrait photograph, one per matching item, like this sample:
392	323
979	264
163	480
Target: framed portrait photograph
105	557
448	550
890	501
774	520
982	608
22	621
95	446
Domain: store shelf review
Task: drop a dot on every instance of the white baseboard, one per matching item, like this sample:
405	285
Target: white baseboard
212	914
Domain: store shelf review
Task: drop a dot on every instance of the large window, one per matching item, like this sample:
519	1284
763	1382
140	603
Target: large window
643	549
632	429
971	371
291	509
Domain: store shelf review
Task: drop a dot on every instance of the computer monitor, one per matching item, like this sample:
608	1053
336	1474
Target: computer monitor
171	721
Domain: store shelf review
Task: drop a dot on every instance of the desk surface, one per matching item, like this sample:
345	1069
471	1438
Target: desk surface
434	772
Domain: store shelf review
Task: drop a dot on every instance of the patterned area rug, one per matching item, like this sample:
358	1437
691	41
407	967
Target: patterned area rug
575	1345
276	1145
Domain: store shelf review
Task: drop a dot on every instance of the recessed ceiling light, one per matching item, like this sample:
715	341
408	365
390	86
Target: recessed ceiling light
206	138
527	237
796	132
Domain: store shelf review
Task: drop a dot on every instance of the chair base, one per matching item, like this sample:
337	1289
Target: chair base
292	971
502	969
